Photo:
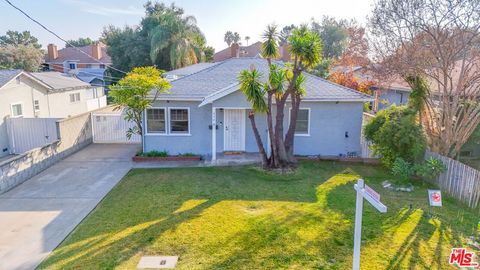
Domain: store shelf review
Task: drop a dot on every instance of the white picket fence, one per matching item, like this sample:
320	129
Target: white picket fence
460	181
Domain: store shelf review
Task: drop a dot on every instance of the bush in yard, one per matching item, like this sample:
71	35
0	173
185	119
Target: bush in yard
402	169
395	133
430	168
427	169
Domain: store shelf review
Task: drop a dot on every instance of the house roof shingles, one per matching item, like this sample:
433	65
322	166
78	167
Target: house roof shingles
8	75
59	81
72	54
224	75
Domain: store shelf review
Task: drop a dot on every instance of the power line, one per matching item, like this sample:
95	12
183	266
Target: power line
53	33
80	70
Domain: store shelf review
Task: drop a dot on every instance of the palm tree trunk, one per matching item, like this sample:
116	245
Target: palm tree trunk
258	139
271	133
290	137
281	157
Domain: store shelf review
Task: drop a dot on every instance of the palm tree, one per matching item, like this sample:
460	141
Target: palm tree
228	38
179	38
236	38
247	38
251	86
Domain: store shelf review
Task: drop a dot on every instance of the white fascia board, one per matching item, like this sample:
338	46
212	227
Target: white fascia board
219	94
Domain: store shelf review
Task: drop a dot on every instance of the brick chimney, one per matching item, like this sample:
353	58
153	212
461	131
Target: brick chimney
52	51
286	57
235	50
96	50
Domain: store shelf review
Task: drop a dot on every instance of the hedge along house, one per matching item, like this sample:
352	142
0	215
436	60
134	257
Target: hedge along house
205	113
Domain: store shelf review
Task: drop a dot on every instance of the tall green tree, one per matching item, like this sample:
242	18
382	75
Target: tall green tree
15	39
25	57
136	92
165	38
285	34
209	52
282	83
228	38
334	36
20	50
80	42
173	36
127	47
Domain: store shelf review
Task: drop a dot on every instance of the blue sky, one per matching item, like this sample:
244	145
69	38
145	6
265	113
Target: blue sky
77	18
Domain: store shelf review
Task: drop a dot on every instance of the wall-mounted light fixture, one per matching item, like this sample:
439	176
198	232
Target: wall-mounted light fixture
346	134
210	127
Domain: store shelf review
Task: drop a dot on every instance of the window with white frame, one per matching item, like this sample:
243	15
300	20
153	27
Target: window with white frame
179	121
156	120
72	66
17	110
36	105
303	122
75	97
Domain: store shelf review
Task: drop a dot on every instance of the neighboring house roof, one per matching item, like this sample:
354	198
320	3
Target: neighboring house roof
364	74
8	75
245	51
59	81
72	54
188	70
90	74
222	78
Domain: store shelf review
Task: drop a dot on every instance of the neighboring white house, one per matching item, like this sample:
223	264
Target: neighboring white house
43	95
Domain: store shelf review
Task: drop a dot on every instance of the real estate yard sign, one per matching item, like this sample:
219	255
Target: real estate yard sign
363	192
435	197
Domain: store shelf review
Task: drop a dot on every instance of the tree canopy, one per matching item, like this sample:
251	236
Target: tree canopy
20	50
80	42
436	40
231	38
283	82
136	92
165	37
15	39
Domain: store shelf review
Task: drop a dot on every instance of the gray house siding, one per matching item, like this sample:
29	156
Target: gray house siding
391	96
329	121
199	141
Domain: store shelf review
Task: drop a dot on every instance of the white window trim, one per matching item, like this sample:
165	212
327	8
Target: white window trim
309	121
11	109
166	123
74	97
179	134
34	109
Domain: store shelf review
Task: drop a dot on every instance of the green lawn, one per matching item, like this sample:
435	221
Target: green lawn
244	218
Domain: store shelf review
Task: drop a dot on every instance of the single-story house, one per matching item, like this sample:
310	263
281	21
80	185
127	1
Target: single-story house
43	95
205	113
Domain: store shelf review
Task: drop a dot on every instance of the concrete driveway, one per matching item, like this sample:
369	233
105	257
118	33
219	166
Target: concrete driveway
37	215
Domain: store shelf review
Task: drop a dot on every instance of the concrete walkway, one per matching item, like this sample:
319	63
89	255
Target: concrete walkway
36	216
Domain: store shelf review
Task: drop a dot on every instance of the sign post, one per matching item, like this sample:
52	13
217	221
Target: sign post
363	192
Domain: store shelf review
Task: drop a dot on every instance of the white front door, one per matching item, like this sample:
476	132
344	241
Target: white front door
234	130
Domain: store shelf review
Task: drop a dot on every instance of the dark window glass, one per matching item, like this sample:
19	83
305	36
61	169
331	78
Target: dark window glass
302	122
156	120
179	121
